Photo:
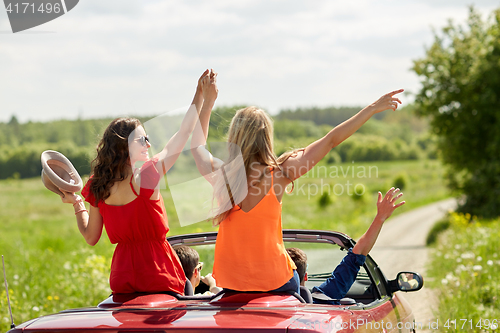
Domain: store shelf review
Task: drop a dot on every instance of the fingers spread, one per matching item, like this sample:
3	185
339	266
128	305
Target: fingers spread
389	193
399	204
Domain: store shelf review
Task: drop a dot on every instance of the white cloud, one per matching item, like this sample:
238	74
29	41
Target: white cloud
117	57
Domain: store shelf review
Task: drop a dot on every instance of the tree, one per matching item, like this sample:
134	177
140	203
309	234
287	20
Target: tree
460	75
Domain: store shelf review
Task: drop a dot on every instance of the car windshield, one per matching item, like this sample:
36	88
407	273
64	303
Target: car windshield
322	258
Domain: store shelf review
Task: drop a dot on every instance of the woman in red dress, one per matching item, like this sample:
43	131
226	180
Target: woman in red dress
128	202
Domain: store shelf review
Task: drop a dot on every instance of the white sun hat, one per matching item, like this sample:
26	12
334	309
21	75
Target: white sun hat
59	173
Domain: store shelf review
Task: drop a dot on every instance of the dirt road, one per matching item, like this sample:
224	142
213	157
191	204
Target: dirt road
401	247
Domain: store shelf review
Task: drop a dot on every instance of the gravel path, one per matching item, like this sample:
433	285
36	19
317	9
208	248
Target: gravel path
401	247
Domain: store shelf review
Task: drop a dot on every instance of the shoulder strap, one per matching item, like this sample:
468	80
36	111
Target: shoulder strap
272	176
132	186
228	187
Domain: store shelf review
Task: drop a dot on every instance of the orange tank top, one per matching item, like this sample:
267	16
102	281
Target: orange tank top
249	251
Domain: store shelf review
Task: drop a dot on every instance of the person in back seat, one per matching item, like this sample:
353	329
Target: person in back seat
190	261
344	275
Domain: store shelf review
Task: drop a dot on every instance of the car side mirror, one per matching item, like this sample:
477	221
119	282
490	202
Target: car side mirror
407	281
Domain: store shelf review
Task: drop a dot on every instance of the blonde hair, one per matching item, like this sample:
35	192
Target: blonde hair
251	137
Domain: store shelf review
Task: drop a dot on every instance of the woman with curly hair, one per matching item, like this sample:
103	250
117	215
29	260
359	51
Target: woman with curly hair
248	188
127	201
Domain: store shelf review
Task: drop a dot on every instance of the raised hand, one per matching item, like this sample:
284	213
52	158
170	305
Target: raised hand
387	205
69	197
209	86
387	101
205	74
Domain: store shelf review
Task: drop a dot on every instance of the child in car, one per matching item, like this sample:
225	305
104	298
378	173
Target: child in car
344	275
192	266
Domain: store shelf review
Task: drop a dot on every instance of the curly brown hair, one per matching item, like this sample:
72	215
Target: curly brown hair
112	159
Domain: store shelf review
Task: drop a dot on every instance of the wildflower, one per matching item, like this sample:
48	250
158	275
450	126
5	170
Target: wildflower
457	283
489	263
460	268
67	265
49	298
36	308
477	267
479	258
459	259
457	246
467	255
16	277
447	256
444	281
56	298
449	276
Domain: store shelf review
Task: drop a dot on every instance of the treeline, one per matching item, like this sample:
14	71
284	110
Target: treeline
21	144
24	161
399	135
322	116
389	136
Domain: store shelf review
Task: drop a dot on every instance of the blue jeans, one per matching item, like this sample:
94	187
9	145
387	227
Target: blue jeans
292	285
343	277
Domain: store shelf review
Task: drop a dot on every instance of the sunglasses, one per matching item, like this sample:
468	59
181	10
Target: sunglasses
199	266
143	140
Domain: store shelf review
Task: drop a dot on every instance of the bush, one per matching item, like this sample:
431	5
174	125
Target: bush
324	200
436	229
358	197
401	181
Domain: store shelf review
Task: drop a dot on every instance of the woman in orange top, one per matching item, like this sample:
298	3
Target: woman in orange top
248	188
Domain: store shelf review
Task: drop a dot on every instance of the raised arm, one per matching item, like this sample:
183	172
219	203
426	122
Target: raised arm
298	165
385	206
205	162
175	145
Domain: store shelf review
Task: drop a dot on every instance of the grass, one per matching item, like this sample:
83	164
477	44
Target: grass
465	269
51	268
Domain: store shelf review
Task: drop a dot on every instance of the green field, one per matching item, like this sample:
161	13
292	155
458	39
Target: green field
464	268
50	267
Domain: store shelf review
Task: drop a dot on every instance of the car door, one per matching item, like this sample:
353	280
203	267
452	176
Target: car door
389	312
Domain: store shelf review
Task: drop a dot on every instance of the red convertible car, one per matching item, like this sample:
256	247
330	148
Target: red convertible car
373	304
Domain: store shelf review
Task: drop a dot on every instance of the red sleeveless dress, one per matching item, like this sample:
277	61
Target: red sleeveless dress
143	260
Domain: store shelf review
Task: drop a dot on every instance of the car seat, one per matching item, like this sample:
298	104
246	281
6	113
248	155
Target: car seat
188	289
306	294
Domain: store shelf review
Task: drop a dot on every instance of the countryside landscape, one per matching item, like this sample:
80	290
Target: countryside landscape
444	144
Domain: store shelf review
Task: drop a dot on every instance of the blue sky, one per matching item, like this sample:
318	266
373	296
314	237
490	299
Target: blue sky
120	57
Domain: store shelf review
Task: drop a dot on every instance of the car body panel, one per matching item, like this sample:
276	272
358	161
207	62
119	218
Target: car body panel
229	311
